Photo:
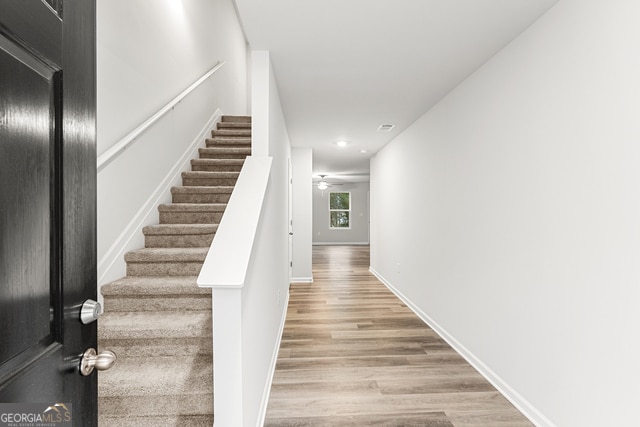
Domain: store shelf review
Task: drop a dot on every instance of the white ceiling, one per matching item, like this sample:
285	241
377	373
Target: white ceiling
344	67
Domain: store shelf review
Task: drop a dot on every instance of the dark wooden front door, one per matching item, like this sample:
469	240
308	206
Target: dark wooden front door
47	202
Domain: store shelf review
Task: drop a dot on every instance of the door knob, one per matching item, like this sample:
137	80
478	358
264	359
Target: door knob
91	360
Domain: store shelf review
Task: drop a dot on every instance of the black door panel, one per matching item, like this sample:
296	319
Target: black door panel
47	202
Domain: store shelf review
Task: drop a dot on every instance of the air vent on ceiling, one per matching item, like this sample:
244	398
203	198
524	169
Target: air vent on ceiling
385	128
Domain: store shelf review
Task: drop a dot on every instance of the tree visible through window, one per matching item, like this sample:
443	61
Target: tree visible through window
339	209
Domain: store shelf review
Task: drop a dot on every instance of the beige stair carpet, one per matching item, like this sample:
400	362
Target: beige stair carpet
156	319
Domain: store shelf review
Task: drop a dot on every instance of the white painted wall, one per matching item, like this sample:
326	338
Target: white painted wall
302	164
358	234
149	52
508	215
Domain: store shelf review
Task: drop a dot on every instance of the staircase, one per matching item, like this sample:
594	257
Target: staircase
156	319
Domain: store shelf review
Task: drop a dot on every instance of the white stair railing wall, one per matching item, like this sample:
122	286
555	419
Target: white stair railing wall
247	264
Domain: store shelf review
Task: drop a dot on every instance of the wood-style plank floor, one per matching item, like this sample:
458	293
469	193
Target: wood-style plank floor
353	354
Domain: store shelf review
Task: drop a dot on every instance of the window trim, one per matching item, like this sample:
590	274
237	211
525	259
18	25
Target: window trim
339	210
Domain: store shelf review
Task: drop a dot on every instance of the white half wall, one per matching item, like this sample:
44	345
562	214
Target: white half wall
265	306
358	234
302	164
508	215
148	53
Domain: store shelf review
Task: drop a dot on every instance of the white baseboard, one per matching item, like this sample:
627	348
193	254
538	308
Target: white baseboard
524	406
272	369
111	265
301	280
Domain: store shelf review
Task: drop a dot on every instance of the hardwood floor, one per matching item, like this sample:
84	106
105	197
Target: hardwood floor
353	354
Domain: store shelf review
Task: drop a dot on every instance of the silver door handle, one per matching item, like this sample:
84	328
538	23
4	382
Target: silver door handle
91	360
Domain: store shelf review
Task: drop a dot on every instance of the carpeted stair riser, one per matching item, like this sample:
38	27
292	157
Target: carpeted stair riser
159	255
144	325
224	152
157	320
240	132
179	241
163	269
137	334
190	217
217	165
223	141
126	303
233	126
179	235
151	286
209	179
201	194
191	213
165	347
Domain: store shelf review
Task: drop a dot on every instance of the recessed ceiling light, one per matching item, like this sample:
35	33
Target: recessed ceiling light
385	128
342	144
363	151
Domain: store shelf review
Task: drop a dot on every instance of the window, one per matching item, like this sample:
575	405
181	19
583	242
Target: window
339	210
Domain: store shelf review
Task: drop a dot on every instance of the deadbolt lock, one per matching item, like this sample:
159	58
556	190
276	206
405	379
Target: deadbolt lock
90	311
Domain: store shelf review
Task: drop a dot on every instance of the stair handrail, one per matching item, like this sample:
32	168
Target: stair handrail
106	157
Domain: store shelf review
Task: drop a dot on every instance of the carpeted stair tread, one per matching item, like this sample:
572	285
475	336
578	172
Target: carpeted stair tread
242	132
219	141
167	255
233	125
218	189
192	207
154	286
236	119
158	347
178	229
222	165
150	421
208	174
154	324
224	152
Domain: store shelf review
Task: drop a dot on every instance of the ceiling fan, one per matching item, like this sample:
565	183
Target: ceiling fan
323	184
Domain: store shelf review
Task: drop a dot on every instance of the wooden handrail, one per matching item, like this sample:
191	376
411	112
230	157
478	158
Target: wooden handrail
106	157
